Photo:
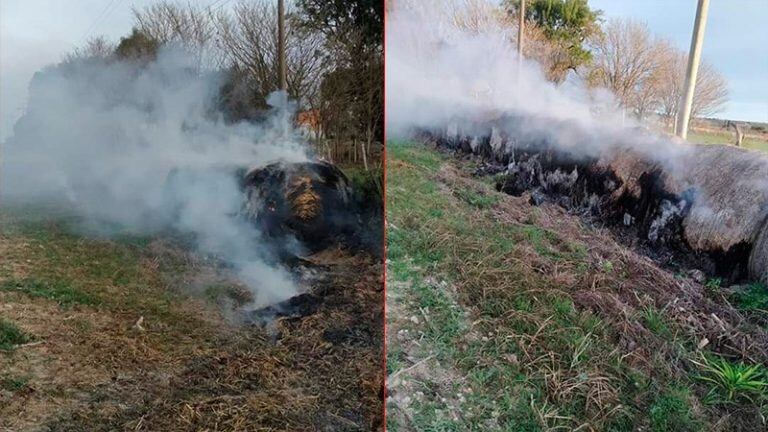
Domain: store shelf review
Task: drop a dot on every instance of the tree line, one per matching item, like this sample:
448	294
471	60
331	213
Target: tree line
334	62
644	72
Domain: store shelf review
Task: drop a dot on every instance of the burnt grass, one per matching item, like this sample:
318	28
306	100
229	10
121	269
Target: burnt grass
518	314
192	362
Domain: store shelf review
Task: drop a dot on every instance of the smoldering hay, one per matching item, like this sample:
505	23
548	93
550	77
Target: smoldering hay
716	199
142	147
465	87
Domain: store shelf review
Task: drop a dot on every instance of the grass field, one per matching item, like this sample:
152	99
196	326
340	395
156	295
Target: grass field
507	317
700	136
133	333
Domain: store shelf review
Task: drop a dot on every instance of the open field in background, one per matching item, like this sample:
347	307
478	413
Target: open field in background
712	136
133	334
507	317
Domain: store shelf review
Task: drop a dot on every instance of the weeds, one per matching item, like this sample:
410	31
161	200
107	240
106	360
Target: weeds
753	299
654	321
13	383
713	285
731	381
671	411
11	336
61	292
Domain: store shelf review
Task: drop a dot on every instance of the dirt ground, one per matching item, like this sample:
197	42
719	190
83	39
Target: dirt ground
122	336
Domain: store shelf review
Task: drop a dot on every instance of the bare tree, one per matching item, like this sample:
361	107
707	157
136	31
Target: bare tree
187	25
474	16
477	16
249	38
710	95
628	61
737	130
351	110
97	47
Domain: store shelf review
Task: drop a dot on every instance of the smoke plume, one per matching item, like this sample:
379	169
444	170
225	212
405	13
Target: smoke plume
143	148
452	63
453	72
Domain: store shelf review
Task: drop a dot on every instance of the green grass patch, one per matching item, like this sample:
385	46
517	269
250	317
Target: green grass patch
237	294
448	232
62	292
414	154
726	138
11	335
754	298
13	383
671	411
73	268
477	199
654	321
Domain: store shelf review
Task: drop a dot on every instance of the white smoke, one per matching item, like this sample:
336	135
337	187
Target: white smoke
440	73
144	148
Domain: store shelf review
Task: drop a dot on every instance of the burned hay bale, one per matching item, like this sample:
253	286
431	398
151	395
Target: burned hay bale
731	202
707	203
310	201
758	259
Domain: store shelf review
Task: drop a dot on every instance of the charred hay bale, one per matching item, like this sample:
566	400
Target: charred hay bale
704	198
308	200
719	194
758	260
731	196
629	169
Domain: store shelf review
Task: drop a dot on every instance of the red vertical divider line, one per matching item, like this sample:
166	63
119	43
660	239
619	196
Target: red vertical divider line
384	218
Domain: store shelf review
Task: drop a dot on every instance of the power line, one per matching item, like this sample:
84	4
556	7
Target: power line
103	15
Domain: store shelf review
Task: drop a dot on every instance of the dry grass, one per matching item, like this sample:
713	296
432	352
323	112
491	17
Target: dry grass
151	353
559	327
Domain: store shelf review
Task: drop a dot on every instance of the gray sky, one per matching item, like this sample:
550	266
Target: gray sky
34	33
735	42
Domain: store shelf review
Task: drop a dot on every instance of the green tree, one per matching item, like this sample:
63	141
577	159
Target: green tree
568	24
353	89
137	46
338	18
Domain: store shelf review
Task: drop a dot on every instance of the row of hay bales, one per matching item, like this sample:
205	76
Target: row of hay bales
726	188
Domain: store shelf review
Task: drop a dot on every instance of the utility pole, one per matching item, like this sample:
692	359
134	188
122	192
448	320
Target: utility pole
520	24
694	56
281	43
281	66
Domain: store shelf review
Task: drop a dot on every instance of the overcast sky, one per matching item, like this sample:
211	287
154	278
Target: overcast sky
34	33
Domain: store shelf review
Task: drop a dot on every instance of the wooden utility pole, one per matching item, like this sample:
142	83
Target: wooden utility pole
694	57
520	25
281	44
